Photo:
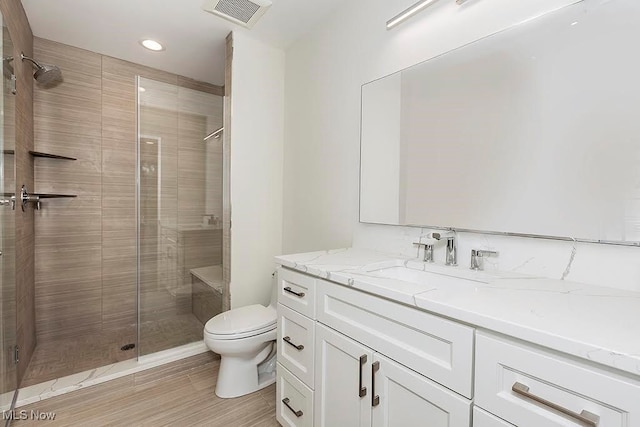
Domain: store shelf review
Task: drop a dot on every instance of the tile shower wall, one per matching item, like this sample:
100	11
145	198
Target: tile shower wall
85	248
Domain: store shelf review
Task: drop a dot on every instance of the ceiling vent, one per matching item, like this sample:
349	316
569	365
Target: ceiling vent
241	12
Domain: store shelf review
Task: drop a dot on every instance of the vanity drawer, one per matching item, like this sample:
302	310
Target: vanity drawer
294	400
483	418
297	291
531	387
296	337
437	348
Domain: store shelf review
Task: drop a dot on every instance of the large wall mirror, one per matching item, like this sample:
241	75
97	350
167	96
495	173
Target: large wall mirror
534	131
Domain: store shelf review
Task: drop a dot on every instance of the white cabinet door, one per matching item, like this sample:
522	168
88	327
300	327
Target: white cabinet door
430	345
342	382
482	418
405	398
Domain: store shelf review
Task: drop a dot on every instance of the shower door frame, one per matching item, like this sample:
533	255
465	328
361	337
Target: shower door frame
137	213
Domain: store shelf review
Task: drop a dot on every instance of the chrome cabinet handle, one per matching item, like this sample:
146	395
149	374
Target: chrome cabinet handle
362	391
375	399
286	403
288	341
298	294
585	417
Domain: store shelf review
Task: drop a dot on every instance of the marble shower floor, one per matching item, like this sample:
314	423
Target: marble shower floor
59	358
177	394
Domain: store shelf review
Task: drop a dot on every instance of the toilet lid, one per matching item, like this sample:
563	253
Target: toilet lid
241	320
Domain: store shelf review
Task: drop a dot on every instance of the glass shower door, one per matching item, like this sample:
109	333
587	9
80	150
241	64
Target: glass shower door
179	213
8	373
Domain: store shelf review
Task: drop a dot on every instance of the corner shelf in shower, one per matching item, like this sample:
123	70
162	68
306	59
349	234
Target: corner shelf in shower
50	156
8	152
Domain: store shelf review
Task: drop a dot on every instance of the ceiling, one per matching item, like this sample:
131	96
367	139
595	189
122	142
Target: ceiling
194	40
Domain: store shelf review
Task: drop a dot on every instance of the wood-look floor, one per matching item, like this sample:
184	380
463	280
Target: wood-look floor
66	356
177	394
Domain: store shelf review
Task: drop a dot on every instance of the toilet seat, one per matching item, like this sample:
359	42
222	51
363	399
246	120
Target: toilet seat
241	322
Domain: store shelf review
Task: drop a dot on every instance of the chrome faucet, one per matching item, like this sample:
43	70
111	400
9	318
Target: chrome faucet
428	251
476	258
451	255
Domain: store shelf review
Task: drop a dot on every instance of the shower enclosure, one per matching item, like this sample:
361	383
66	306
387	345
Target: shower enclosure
179	213
130	263
8	374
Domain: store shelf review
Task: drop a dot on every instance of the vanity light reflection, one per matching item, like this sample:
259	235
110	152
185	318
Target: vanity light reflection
408	13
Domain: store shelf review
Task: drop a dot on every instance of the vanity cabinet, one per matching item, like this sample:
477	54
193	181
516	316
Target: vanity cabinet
294	405
359	381
343	380
437	348
356	386
347	357
531	387
295	342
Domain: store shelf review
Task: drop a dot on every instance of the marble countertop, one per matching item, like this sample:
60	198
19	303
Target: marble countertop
591	322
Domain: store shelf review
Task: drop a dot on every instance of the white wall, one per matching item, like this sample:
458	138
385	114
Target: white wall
257	136
322	115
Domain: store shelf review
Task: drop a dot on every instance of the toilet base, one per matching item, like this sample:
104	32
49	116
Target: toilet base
238	376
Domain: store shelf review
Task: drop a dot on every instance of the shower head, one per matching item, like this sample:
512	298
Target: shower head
45	74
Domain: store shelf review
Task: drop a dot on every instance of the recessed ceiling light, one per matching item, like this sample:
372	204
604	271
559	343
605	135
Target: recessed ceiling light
141	89
152	45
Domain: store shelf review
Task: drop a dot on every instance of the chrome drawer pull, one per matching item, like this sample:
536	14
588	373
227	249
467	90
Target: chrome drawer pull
585	417
362	391
286	403
375	400
288	341
298	294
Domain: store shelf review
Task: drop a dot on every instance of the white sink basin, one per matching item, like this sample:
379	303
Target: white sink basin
406	274
431	274
419	277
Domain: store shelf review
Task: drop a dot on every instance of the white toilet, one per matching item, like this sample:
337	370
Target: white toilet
245	340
